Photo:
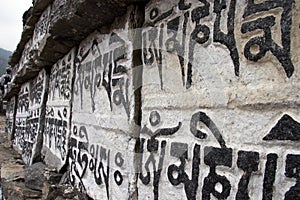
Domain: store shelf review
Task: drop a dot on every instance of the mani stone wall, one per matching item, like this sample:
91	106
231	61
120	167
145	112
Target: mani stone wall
185	99
29	118
10	111
58	112
103	131
220	100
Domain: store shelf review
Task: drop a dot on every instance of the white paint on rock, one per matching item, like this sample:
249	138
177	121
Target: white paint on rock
102	160
10	109
253	112
99	162
58	112
28	117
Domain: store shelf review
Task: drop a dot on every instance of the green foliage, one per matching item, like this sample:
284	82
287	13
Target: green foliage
4	56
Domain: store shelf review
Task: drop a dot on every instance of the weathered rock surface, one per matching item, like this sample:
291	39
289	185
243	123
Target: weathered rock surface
12	172
34	176
20	182
67	27
212	114
17	191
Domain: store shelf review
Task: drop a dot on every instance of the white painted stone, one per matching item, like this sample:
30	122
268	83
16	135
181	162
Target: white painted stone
93	74
103	115
29	117
217	106
242	130
213	74
25	58
101	162
254	110
41	28
21	116
58	112
10	109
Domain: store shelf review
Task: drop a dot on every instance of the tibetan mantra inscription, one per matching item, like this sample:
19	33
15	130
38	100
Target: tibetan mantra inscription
182	27
164	159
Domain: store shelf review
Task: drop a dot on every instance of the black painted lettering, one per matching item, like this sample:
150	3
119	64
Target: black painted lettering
292	170
214	157
266	43
270	172
227	39
180	150
248	161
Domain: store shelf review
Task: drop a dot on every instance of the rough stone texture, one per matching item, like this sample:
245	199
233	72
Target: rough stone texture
12	172
30	118
218	110
34	182
13	186
55	28
10	116
58	112
13	176
103	126
34	176
30	18
101	162
220	100
22	114
18	191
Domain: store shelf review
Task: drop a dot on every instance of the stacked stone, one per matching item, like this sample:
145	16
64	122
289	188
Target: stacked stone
172	100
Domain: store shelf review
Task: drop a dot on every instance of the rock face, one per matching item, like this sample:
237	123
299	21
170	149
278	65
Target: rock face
12	172
58	112
34	176
35	182
29	120
165	100
218	100
53	27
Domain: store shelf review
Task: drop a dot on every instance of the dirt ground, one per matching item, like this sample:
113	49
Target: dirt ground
16	184
7	154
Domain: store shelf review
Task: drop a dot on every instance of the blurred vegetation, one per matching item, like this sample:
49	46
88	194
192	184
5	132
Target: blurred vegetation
4	56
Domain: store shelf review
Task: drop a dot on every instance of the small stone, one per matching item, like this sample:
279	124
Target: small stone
34	176
10	172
